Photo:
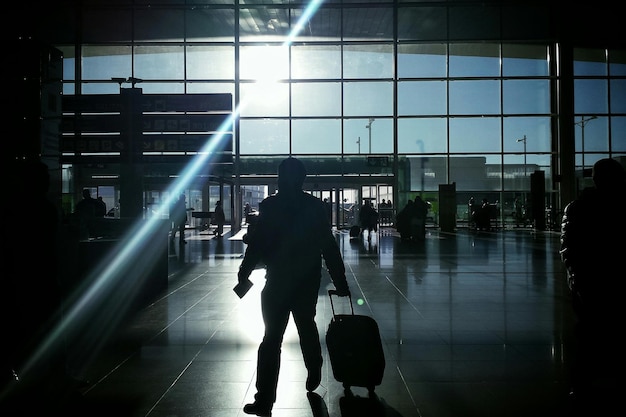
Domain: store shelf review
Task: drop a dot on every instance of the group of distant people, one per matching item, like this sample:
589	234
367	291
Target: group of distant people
411	220
481	215
85	215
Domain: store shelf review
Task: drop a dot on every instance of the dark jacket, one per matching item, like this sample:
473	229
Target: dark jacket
593	247
291	236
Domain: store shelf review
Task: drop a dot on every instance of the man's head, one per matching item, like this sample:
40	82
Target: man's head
291	175
608	173
86	193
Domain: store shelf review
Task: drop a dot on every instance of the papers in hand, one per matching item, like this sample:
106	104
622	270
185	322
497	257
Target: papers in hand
242	288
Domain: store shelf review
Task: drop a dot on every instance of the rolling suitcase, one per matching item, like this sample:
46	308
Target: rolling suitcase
355	349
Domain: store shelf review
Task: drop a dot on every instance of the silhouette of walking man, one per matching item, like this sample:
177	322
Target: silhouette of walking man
291	237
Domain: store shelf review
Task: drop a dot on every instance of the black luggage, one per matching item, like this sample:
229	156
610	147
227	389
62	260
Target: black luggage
355	349
355	231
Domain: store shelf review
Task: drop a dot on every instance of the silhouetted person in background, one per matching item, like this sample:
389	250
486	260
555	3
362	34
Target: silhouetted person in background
419	219
178	217
471	209
85	213
593	246
31	354
291	236
403	220
518	212
329	210
219	218
101	209
247	209
482	215
368	217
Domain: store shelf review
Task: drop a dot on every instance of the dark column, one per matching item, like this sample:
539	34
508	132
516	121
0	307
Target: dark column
567	171
538	199
131	160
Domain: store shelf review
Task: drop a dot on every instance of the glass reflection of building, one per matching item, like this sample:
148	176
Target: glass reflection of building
406	95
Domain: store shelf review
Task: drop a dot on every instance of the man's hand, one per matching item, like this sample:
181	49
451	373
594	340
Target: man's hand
342	291
242	276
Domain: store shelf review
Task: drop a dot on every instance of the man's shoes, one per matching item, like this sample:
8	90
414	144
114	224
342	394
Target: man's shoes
313	379
258	409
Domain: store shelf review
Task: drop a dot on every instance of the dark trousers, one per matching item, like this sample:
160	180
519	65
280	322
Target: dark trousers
276	308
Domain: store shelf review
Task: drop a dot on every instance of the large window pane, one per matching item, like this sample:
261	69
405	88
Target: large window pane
213	88
214	25
361	135
163	62
424	23
99	88
592	134
264	136
474	60
421	98
422	60
106	25
323	25
536	130
316	99
321	136
210	62
474	97
316	61
159	25
422	173
478	134
368	61
474	22
618	134
525	60
264	99
618	96
423	135
617	59
69	60
264	24
379	19
591	96
162	88
478	172
526	96
368	99
589	62
104	62
263	62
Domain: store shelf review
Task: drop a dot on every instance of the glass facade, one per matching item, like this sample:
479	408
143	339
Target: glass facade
404	94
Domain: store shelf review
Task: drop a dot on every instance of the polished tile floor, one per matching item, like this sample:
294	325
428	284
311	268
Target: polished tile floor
472	323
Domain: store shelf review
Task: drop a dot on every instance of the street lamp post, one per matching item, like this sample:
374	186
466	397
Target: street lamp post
582	124
369	127
524	191
523	140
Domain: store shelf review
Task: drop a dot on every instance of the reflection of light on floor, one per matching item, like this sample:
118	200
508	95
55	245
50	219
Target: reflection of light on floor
249	317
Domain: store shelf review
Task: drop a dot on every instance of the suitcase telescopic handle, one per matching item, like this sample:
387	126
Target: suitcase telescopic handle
332	306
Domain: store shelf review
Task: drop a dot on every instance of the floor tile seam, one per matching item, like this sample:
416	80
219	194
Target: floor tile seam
172	384
187	309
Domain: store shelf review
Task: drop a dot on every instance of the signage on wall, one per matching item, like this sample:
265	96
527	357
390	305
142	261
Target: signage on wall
158	122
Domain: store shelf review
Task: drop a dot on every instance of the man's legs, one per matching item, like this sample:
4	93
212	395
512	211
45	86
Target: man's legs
181	232
304	318
275	317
